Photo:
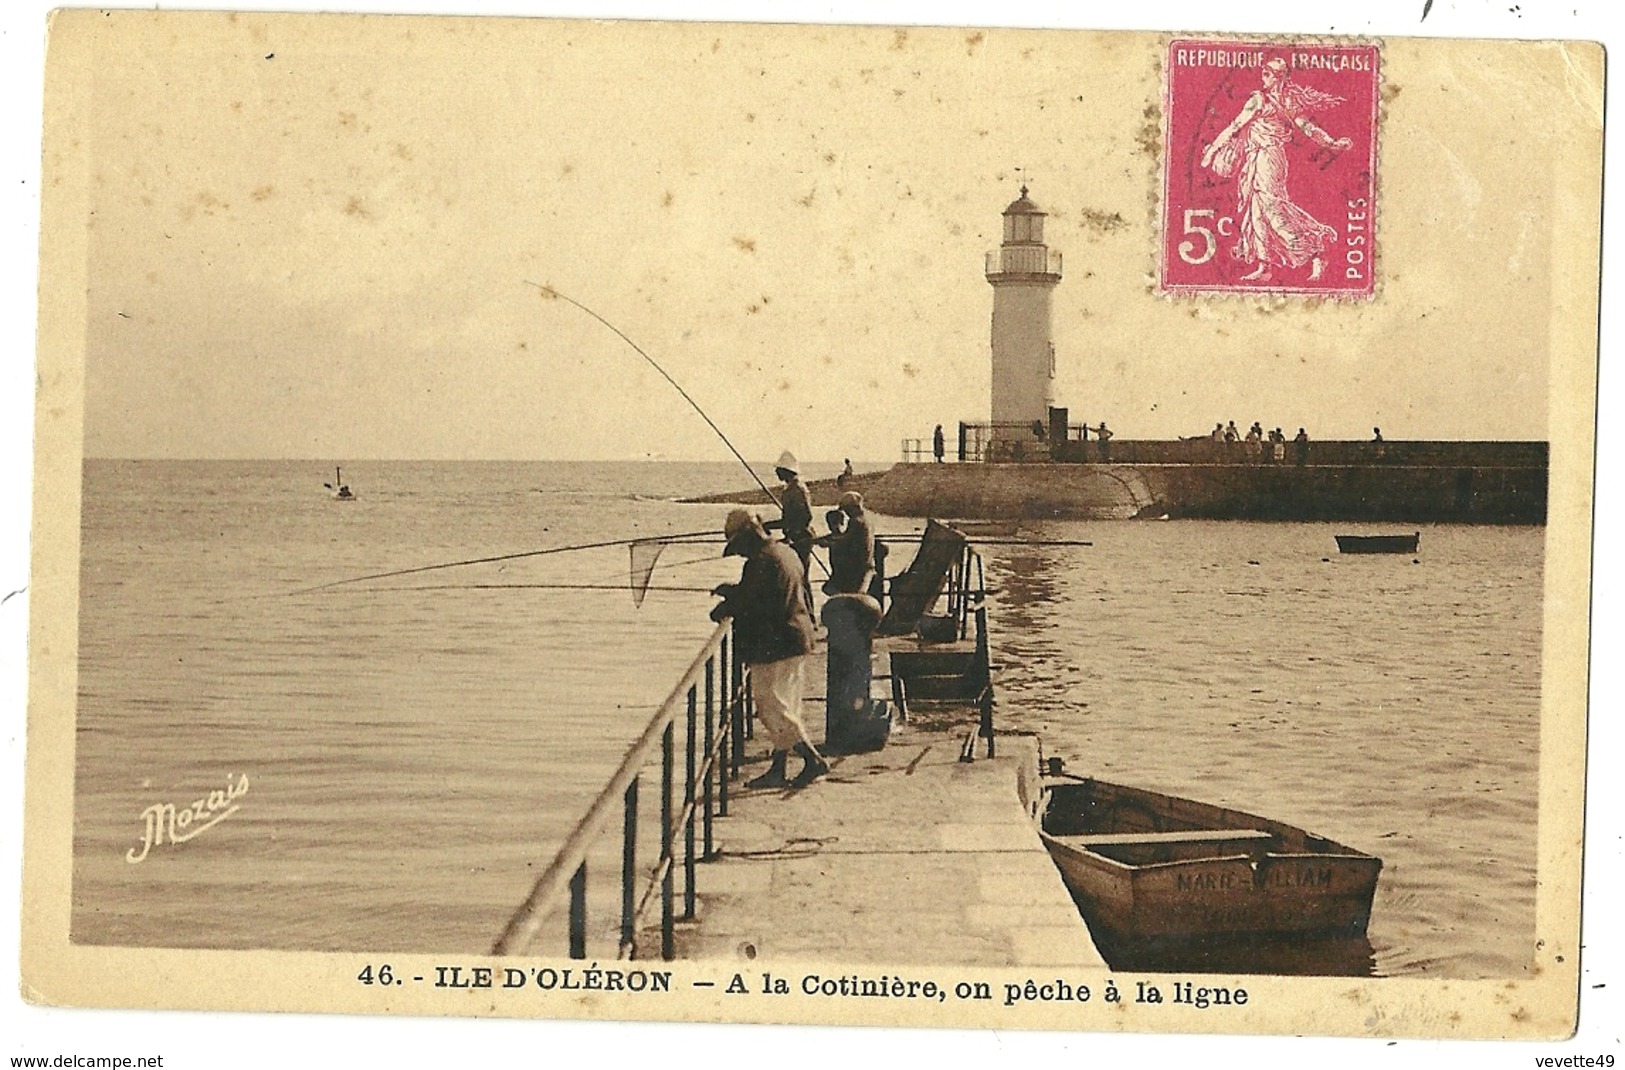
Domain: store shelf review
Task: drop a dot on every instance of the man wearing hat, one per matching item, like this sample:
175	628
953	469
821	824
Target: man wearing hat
798	517
773	634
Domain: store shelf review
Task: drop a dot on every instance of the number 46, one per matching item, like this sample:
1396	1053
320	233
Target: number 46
1210	244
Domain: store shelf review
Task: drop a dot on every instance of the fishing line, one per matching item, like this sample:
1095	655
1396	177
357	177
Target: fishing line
708	533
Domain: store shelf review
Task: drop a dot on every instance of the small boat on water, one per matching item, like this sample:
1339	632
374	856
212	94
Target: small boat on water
1378	544
1149	867
338	489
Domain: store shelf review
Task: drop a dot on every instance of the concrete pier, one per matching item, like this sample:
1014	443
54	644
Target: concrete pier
902	856
1408	482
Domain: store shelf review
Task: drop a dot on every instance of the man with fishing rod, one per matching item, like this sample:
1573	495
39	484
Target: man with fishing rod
797	518
773	634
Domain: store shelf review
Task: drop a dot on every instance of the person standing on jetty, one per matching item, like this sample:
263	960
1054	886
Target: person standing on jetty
937	444
851	550
773	634
797	519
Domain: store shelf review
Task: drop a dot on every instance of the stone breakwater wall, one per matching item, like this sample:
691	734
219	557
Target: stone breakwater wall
1421	482
1471	495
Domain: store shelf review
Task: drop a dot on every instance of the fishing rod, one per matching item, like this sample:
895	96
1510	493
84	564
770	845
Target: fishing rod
1001	541
531	587
1030	542
550	291
561	587
505	557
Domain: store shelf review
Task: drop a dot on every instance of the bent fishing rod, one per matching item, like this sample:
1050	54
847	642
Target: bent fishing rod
549	291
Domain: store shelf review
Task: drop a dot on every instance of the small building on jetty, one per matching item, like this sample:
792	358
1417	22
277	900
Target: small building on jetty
1029	462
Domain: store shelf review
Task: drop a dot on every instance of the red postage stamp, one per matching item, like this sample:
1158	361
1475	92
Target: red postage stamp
1268	168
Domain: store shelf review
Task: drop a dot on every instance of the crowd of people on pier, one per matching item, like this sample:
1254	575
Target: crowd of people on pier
1261	445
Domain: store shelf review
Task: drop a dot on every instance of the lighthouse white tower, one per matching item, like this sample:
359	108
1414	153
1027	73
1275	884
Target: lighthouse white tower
1023	273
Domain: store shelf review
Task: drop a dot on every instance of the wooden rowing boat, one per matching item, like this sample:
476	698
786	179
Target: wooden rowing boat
1144	866
1378	544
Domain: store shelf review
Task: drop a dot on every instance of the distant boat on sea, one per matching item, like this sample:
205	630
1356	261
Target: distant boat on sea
1378	544
338	489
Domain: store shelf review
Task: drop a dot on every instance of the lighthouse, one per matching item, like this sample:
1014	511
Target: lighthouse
1023	273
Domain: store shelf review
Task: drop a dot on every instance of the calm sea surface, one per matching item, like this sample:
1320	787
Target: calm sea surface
417	747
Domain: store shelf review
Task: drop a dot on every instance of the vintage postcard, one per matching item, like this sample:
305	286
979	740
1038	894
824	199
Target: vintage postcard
966	528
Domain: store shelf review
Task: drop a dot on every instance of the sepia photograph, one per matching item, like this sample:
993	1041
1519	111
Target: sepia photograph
905	520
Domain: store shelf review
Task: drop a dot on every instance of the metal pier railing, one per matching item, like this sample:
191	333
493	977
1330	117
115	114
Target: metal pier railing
712	707
713	702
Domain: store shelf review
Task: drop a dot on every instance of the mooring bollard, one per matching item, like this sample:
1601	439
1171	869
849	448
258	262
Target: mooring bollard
852	722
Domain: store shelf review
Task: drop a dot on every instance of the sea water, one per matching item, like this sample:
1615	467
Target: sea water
413	749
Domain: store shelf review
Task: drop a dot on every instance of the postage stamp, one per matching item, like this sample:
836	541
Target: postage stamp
1268	168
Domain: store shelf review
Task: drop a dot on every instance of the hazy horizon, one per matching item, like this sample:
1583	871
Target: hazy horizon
314	239
766	464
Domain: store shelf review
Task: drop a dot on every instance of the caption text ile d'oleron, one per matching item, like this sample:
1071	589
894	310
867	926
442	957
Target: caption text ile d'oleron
594	978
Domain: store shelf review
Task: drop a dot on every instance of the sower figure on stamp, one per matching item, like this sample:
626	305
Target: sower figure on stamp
1272	230
773	634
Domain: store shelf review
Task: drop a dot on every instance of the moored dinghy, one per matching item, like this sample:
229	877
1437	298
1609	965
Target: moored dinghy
1145	866
1378	544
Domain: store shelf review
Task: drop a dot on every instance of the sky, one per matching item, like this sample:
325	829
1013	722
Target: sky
312	243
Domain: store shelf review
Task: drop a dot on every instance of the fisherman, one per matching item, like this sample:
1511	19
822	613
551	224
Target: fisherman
852	551
938	445
798	518
773	634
